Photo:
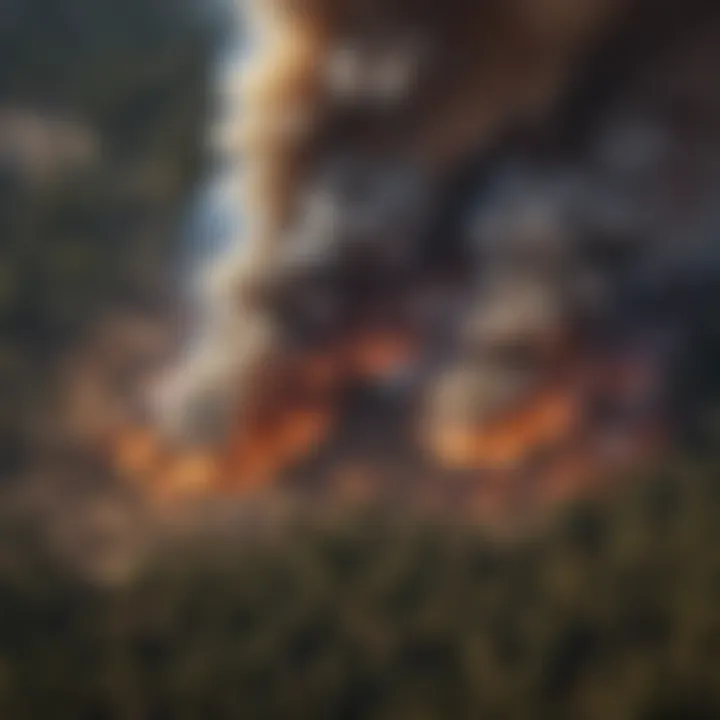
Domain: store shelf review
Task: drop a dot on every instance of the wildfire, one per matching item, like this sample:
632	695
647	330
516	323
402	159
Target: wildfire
544	452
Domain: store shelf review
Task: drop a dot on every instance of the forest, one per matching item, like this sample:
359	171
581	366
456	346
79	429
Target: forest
608	610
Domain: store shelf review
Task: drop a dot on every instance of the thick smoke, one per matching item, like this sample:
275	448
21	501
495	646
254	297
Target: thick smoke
494	204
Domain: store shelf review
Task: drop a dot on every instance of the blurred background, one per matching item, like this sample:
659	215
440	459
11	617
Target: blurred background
433	593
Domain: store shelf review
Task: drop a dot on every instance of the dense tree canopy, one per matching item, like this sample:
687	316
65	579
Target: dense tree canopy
612	612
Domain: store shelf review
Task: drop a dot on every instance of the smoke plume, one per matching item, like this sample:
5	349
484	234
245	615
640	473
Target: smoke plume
469	233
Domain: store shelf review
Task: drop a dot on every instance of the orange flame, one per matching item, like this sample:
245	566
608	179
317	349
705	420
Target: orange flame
549	418
289	426
542	453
